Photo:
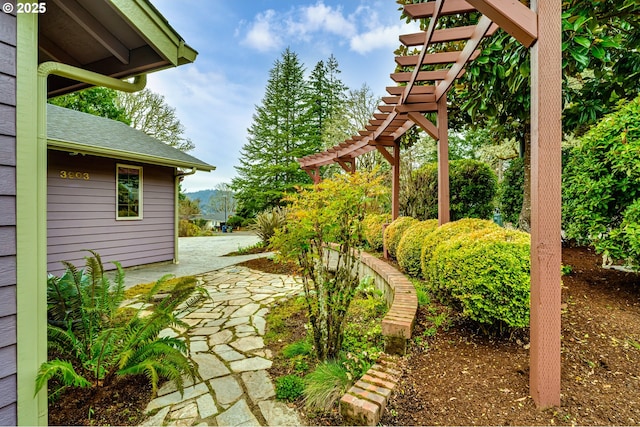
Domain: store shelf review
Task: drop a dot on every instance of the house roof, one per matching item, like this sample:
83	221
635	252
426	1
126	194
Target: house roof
70	130
115	38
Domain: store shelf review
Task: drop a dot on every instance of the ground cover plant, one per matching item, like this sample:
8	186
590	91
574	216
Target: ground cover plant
97	345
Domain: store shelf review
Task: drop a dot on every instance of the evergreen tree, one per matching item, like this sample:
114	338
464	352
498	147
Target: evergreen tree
326	94
281	132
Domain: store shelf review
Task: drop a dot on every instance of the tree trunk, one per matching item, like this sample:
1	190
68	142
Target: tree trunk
524	221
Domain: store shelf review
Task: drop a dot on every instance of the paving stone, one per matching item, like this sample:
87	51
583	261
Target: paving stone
227	389
241	301
206	406
170	386
175	397
278	414
259	297
252	364
246	310
236	321
204	331
259	385
248	344
191	321
238	415
226	353
198	346
221	337
216	322
260	324
158	418
189	411
168	332
245	328
209	366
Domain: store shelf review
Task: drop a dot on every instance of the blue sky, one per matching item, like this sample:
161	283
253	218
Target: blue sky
238	43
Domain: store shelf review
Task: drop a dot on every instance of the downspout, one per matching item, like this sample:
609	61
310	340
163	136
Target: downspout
176	217
32	312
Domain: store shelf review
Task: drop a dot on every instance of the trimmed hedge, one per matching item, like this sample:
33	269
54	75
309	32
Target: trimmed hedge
511	191
486	272
447	232
373	233
393	233
410	246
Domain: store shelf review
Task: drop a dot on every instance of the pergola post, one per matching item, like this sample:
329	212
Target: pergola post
395	183
443	161
546	136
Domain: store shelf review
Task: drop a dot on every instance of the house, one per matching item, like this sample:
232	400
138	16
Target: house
110	188
60	47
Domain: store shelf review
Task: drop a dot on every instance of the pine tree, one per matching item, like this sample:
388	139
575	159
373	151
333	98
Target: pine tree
326	94
280	134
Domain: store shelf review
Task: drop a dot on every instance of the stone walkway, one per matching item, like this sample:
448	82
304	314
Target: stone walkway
225	338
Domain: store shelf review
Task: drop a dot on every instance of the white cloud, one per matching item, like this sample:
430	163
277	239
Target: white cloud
320	17
261	35
377	38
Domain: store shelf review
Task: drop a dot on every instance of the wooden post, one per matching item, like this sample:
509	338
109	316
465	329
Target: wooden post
395	183
443	162
546	135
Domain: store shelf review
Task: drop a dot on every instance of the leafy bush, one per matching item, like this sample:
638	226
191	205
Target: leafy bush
601	190
298	348
289	388
268	222
235	221
446	232
472	186
332	212
94	345
187	228
393	233
511	190
410	246
325	385
487	273
373	234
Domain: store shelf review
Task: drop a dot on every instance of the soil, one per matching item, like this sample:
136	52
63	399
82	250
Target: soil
460	376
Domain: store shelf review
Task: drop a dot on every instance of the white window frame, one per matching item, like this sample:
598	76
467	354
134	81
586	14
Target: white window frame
140	192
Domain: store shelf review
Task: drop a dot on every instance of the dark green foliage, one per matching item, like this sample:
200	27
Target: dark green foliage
486	274
94	345
472	188
99	101
289	388
298	348
510	191
235	221
325	385
601	193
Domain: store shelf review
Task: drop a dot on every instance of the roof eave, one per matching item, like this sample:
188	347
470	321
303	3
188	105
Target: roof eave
74	147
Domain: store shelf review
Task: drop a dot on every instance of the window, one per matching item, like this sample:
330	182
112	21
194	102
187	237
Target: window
129	192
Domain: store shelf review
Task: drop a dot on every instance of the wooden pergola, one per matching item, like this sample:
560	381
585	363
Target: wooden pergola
424	90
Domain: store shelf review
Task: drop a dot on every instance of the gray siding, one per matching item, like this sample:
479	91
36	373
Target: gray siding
8	389
81	214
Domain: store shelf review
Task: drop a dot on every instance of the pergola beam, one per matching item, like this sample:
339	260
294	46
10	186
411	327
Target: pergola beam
425	124
425	10
512	16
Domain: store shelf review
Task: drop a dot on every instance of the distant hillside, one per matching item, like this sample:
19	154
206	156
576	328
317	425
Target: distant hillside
203	195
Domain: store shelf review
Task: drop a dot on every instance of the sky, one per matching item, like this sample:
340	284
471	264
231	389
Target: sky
238	43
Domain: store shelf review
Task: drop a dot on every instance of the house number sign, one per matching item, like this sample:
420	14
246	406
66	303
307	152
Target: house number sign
75	175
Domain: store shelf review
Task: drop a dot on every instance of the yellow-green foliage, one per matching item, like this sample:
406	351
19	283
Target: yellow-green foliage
447	232
393	233
487	273
410	246
373	229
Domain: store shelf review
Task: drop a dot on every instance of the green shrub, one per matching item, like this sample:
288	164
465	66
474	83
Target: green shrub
268	222
325	385
235	221
472	188
289	388
298	348
446	232
393	233
187	228
95	345
511	191
487	274
601	190
373	233
410	246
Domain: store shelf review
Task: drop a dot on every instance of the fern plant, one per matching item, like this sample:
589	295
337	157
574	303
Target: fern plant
94	346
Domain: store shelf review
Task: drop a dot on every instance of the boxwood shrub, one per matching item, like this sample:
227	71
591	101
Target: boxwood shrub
373	229
410	246
393	233
486	273
447	232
